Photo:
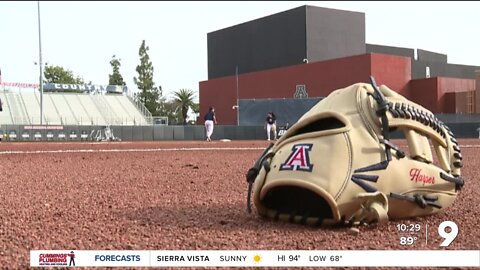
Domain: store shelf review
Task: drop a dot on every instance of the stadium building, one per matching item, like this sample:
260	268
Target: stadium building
287	62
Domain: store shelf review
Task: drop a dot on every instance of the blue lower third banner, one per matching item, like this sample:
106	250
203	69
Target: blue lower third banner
249	258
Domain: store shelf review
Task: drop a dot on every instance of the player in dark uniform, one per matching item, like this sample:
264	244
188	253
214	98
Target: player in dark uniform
271	125
210	120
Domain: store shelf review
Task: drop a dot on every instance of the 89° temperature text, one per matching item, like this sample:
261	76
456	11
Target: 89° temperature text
407	241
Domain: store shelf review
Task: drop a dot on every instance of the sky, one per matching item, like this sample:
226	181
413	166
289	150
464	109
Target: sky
83	36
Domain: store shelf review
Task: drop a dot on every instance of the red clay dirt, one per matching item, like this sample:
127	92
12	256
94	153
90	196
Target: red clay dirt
160	196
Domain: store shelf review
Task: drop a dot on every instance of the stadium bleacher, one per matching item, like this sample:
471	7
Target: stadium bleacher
23	108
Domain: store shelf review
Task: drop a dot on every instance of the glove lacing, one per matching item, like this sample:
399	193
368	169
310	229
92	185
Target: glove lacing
253	172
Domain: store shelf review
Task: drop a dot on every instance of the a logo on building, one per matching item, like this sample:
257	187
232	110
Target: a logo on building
299	159
300	91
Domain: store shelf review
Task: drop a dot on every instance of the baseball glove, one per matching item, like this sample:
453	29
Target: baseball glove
337	165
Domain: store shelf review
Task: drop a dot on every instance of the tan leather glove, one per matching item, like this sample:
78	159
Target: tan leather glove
338	165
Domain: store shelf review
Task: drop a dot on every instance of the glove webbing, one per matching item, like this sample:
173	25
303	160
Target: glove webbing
383	107
406	111
402	110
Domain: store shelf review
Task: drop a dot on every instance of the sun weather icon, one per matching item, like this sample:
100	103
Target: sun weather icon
257	258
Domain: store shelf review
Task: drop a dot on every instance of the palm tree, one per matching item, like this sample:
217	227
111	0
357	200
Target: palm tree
183	100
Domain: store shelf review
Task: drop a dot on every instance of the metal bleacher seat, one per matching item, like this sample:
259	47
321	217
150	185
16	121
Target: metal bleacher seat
32	105
81	115
23	108
92	110
17	108
123	113
50	111
134	114
67	115
5	115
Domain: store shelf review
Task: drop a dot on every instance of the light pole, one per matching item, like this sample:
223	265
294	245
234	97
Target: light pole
40	64
238	108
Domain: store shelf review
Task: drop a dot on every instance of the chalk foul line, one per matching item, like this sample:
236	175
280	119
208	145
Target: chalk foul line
130	150
153	150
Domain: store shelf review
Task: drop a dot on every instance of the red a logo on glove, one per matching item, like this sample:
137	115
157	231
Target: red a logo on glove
299	159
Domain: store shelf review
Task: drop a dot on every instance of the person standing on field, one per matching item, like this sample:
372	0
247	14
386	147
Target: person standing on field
271	125
210	120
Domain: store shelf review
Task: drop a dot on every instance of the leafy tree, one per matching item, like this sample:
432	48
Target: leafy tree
171	111
183	99
57	74
196	109
115	78
150	95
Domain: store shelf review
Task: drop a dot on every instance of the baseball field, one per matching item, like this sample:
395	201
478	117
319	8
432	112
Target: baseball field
176	195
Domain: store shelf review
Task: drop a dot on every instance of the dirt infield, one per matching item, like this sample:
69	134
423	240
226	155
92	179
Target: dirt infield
174	195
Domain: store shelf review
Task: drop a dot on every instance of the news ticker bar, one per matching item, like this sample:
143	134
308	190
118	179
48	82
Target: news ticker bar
260	258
